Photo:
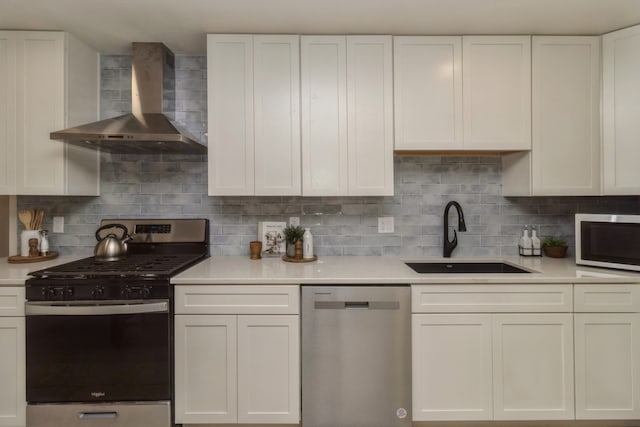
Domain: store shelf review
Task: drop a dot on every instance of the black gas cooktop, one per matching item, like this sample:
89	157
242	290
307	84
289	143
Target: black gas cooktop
136	265
160	250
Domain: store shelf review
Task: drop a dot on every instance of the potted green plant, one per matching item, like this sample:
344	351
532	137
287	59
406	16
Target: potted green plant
292	235
554	247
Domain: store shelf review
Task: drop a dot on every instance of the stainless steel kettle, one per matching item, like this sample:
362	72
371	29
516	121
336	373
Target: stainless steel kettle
111	247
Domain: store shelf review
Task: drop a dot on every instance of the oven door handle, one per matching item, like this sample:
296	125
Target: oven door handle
95	309
97	415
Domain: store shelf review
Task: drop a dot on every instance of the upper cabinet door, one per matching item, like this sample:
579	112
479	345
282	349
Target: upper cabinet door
621	109
230	112
347	116
370	115
276	61
324	115
428	93
40	78
497	92
7	111
566	116
48	81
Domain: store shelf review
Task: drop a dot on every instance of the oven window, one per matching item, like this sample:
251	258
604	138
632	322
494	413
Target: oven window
610	242
98	358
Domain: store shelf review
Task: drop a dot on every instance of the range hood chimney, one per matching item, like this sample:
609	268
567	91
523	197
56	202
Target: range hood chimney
150	127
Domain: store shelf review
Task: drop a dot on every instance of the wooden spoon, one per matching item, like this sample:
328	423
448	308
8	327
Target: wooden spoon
34	218
25	219
39	217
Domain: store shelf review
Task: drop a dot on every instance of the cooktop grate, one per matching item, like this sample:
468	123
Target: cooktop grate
138	265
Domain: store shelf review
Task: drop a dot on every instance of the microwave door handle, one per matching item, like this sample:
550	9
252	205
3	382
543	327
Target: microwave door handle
39	309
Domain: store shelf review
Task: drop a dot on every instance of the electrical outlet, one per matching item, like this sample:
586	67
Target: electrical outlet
58	224
385	224
294	220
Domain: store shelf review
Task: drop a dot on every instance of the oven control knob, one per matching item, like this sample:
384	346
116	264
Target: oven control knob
98	292
68	292
125	292
49	292
146	292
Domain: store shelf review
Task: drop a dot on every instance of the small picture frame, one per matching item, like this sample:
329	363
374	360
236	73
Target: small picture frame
272	237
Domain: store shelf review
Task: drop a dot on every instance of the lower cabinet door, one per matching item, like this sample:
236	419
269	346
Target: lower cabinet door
12	372
205	369
268	369
533	366
607	366
451	367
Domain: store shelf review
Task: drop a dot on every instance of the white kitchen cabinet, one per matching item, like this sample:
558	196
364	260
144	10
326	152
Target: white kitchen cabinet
492	352
492	298
347	115
237	368
428	93
607	352
12	354
253	109
206	369
325	155
268	364
620	107
370	115
533	366
607	367
496	76
452	367
230	111
7	112
469	93
276	85
565	153
48	81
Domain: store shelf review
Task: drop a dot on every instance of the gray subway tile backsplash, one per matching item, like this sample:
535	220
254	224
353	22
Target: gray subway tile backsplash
176	186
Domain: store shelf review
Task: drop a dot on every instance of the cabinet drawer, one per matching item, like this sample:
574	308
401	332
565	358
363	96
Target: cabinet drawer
607	298
491	298
11	301
237	299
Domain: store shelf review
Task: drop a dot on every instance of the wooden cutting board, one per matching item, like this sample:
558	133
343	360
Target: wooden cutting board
19	259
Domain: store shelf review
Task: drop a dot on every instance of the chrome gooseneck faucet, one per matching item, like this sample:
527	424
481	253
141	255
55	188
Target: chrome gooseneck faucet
449	246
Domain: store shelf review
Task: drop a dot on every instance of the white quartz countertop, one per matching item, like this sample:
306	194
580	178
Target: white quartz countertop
354	270
380	270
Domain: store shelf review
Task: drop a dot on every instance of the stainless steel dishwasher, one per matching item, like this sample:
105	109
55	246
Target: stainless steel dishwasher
356	356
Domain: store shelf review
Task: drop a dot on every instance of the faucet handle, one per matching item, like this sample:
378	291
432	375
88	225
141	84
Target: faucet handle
449	246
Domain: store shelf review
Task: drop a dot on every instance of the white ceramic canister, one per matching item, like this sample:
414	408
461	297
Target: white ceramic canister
25	235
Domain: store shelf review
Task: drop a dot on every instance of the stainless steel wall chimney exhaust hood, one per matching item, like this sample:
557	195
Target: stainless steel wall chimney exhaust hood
150	127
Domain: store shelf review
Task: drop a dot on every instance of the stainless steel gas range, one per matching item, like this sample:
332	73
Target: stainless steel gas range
100	333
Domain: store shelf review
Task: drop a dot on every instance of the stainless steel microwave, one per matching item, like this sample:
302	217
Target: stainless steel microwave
610	241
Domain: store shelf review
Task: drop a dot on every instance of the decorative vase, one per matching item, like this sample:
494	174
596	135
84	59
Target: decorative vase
555	251
291	250
298	250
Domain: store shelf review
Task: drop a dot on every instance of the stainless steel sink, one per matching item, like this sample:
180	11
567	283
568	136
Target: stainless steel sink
439	267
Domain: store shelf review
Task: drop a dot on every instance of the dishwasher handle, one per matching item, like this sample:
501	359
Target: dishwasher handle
360	305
